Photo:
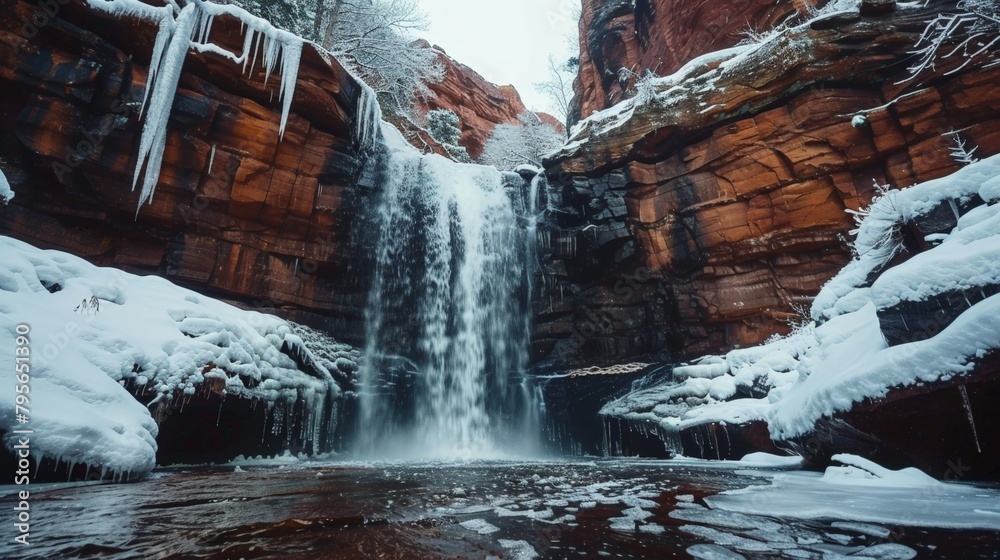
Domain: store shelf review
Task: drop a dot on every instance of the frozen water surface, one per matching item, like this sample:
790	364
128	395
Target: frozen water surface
564	509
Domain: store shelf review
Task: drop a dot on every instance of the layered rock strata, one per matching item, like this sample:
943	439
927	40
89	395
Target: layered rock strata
708	217
239	213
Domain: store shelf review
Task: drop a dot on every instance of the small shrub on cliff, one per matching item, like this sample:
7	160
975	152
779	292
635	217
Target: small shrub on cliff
444	127
443	124
971	33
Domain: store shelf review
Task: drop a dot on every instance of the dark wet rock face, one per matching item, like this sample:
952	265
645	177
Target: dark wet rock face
948	430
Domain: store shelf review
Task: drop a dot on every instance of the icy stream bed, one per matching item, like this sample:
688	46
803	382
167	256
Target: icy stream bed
512	510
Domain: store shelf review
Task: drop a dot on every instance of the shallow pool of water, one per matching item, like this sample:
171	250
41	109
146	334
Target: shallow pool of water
508	510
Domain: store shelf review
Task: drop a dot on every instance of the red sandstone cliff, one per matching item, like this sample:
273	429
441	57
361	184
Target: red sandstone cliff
239	213
700	222
479	104
660	36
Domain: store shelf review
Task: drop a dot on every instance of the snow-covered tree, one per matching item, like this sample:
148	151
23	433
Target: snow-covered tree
373	37
511	145
971	33
443	124
559	85
290	15
960	151
444	127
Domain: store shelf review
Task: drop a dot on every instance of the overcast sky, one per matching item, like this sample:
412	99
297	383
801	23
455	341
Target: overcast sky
507	41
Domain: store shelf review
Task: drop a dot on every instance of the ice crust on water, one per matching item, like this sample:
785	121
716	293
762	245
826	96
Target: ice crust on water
713	552
864	492
862	472
841	358
146	331
190	29
521	550
480	526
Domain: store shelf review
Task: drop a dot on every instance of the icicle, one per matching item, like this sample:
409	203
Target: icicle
249	47
163	16
954	208
211	160
154	132
263	428
271	50
173	39
729	442
968	414
368	117
218	417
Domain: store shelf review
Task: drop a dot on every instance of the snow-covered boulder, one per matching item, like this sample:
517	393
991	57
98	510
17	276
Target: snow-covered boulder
93	334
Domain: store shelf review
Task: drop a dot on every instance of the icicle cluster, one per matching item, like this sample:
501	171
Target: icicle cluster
190	27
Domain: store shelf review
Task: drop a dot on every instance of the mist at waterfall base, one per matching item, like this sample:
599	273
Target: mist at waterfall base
447	320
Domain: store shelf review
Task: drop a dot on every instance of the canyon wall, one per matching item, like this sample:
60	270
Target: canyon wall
660	36
479	104
240	213
709	218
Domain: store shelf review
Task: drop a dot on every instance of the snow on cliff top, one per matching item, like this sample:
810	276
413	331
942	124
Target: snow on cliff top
699	77
821	369
92	328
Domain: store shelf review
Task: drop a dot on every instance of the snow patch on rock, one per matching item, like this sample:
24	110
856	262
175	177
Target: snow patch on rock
6	193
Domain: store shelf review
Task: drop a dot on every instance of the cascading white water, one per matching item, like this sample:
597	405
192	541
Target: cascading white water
446	328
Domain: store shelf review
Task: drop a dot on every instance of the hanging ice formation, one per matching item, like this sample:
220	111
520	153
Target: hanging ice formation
446	336
181	29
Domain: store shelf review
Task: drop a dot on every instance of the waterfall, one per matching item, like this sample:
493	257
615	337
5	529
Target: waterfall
446	324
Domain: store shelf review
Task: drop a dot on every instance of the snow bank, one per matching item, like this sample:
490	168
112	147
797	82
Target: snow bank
6	193
878	241
95	329
841	358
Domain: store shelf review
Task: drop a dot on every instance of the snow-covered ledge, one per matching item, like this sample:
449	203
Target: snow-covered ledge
95	331
841	358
